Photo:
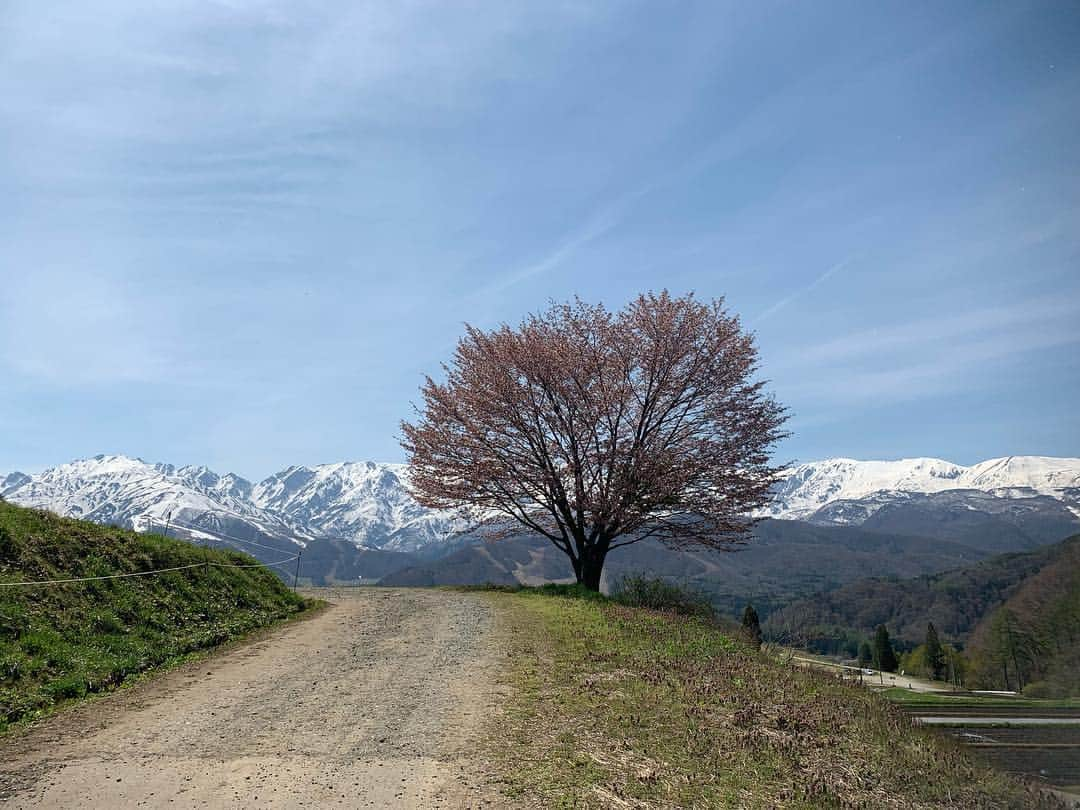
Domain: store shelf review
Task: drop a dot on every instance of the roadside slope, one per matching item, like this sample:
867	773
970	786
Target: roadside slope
376	701
64	640
619	707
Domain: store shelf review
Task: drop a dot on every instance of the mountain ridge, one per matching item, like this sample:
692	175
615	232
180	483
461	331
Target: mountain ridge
365	503
807	488
368	504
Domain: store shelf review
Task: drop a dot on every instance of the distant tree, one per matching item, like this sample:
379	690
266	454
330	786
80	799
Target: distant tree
934	654
866	654
884	655
1013	648
751	626
956	666
598	429
914	660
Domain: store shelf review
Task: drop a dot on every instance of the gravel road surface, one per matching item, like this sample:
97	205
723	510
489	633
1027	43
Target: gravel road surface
378	701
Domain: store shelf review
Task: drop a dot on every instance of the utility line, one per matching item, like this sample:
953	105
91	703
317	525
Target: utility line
257	564
217	536
222	534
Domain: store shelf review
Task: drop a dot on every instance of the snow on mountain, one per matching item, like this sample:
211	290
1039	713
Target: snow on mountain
368	504
132	492
359	501
1045	475
12	481
810	487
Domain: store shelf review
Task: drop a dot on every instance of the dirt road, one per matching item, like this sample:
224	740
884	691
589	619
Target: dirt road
876	679
379	701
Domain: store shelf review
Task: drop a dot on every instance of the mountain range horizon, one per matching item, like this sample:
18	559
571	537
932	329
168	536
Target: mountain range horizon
368	503
793	463
830	522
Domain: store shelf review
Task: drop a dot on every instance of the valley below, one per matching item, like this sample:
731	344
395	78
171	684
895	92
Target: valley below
1036	739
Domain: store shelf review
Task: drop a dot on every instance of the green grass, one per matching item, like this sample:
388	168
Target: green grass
549	589
639	591
617	706
62	643
655	593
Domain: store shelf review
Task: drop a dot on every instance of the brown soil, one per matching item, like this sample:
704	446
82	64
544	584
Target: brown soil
379	701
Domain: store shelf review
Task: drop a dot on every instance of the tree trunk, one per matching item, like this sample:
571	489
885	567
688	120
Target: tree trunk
589	568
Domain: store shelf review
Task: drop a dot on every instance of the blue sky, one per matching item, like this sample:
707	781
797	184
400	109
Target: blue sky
239	233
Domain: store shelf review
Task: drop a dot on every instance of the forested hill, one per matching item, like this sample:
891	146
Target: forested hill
785	560
1032	641
955	601
61	640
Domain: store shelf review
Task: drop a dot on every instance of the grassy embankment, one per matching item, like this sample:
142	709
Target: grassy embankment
59	643
621	707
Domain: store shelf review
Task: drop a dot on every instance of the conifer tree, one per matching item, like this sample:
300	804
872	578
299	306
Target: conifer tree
884	655
751	626
866	654
935	653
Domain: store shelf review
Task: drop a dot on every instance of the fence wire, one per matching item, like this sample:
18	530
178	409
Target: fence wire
206	564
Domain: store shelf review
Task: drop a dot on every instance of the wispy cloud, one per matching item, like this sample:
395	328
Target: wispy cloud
964	368
799	293
200	195
601	222
939	333
931	356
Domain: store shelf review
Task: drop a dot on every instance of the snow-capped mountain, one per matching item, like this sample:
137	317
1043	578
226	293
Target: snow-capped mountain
1044	475
1029	499
364	503
359	501
131	492
811	487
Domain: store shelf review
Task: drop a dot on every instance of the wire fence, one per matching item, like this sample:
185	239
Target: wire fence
107	576
204	564
222	537
293	558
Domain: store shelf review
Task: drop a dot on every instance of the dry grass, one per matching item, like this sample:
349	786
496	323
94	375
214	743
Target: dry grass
618	707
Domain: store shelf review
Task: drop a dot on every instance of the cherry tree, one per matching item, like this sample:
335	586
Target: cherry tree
599	429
